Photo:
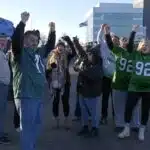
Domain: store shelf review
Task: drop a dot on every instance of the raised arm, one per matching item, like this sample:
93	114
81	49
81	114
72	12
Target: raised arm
100	34
18	36
108	37
50	45
79	49
73	51
130	46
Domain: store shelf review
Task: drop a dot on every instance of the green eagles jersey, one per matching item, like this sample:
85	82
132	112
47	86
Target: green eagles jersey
140	79
124	68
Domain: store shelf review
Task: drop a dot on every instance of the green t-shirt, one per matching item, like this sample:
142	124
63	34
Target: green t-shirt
140	79
124	68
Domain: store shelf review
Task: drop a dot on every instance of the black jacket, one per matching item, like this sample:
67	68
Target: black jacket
90	78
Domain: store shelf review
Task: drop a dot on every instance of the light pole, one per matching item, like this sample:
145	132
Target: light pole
146	20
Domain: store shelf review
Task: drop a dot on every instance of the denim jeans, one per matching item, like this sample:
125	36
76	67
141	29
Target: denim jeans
89	109
3	105
30	121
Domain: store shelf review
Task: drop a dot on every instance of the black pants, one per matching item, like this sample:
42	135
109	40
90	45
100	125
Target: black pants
133	98
16	118
65	101
77	112
106	90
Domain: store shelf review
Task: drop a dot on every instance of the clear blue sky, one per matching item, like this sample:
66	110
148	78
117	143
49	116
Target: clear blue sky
66	13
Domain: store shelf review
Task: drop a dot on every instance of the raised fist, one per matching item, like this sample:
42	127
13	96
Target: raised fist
25	17
135	28
75	38
52	26
103	26
106	29
66	38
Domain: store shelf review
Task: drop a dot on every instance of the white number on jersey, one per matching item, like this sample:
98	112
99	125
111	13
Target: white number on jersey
125	65
143	68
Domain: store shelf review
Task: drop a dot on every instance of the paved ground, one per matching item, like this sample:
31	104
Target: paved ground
67	140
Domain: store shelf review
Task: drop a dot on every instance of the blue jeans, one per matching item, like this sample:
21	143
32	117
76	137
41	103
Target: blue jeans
3	105
30	121
89	109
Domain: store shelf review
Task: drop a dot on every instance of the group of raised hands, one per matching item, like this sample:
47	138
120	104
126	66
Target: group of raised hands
106	28
25	17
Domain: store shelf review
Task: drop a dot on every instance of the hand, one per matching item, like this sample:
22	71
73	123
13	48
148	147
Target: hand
25	17
52	26
103	26
135	28
66	38
106	29
53	65
75	38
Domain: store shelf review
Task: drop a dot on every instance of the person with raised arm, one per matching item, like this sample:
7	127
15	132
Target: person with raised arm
121	79
29	78
138	88
109	66
59	77
89	67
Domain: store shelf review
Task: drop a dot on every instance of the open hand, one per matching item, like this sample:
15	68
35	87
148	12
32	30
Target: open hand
25	17
135	28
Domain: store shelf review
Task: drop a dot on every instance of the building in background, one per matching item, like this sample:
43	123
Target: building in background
119	16
146	20
138	3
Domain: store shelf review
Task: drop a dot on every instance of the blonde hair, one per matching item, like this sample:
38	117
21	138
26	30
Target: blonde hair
141	44
53	58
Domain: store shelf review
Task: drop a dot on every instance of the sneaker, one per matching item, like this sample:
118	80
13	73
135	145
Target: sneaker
103	121
18	130
4	140
94	132
141	133
125	133
84	131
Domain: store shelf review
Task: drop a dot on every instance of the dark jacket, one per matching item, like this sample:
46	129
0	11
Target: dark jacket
90	77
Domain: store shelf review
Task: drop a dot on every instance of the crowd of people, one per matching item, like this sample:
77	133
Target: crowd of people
111	66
